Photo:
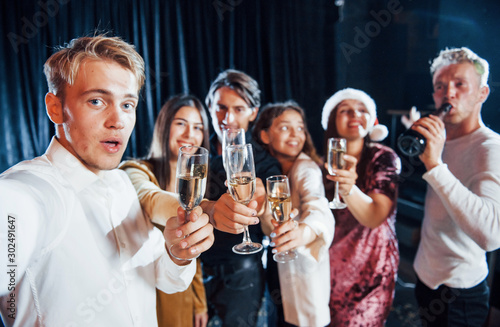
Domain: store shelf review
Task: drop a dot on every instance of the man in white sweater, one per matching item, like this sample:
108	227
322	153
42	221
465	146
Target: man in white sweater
462	205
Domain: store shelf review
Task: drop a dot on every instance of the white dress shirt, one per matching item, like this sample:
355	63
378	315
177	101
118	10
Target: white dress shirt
84	253
305	282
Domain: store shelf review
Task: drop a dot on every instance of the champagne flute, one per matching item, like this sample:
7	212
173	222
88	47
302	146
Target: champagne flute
240	171
192	167
336	151
231	136
278	196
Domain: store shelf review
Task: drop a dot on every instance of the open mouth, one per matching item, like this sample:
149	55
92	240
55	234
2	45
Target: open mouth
112	146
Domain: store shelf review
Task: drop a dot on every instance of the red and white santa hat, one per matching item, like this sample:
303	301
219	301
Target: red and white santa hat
378	132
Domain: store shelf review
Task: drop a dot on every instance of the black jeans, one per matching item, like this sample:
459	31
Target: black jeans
234	291
447	306
273	285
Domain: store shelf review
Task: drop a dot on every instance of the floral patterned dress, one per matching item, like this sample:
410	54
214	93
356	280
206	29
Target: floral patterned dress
364	261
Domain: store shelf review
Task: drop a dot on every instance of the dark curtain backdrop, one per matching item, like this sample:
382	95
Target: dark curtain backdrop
287	46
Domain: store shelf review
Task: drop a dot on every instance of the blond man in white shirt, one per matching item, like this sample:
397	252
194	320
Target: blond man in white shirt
461	220
79	251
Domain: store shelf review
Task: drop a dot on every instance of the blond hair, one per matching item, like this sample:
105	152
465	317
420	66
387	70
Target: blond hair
460	55
61	68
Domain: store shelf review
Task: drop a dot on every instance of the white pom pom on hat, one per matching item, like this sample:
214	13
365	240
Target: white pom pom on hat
377	131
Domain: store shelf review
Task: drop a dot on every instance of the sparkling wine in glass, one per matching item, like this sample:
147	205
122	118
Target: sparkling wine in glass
240	169
231	136
192	167
336	151
278	197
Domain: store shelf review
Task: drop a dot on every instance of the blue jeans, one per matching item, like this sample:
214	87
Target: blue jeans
447	306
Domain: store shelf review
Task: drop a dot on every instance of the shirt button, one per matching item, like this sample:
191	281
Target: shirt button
123	245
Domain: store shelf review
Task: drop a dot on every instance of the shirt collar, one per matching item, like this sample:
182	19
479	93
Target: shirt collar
71	169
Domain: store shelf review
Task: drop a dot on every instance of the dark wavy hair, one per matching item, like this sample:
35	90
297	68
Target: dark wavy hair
331	131
159	153
273	110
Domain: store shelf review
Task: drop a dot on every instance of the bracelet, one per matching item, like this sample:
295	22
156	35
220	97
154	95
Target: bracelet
180	259
350	192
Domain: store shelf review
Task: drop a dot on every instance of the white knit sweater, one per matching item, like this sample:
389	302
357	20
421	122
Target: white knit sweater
462	212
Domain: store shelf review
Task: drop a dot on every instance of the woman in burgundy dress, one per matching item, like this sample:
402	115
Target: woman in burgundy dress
364	254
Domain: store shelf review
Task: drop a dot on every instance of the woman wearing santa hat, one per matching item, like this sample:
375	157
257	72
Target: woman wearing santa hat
364	254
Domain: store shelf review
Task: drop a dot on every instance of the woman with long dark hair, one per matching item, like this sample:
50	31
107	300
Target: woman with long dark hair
182	121
281	130
364	254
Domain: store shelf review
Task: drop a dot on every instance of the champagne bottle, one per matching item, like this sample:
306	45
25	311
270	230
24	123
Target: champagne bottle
411	143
